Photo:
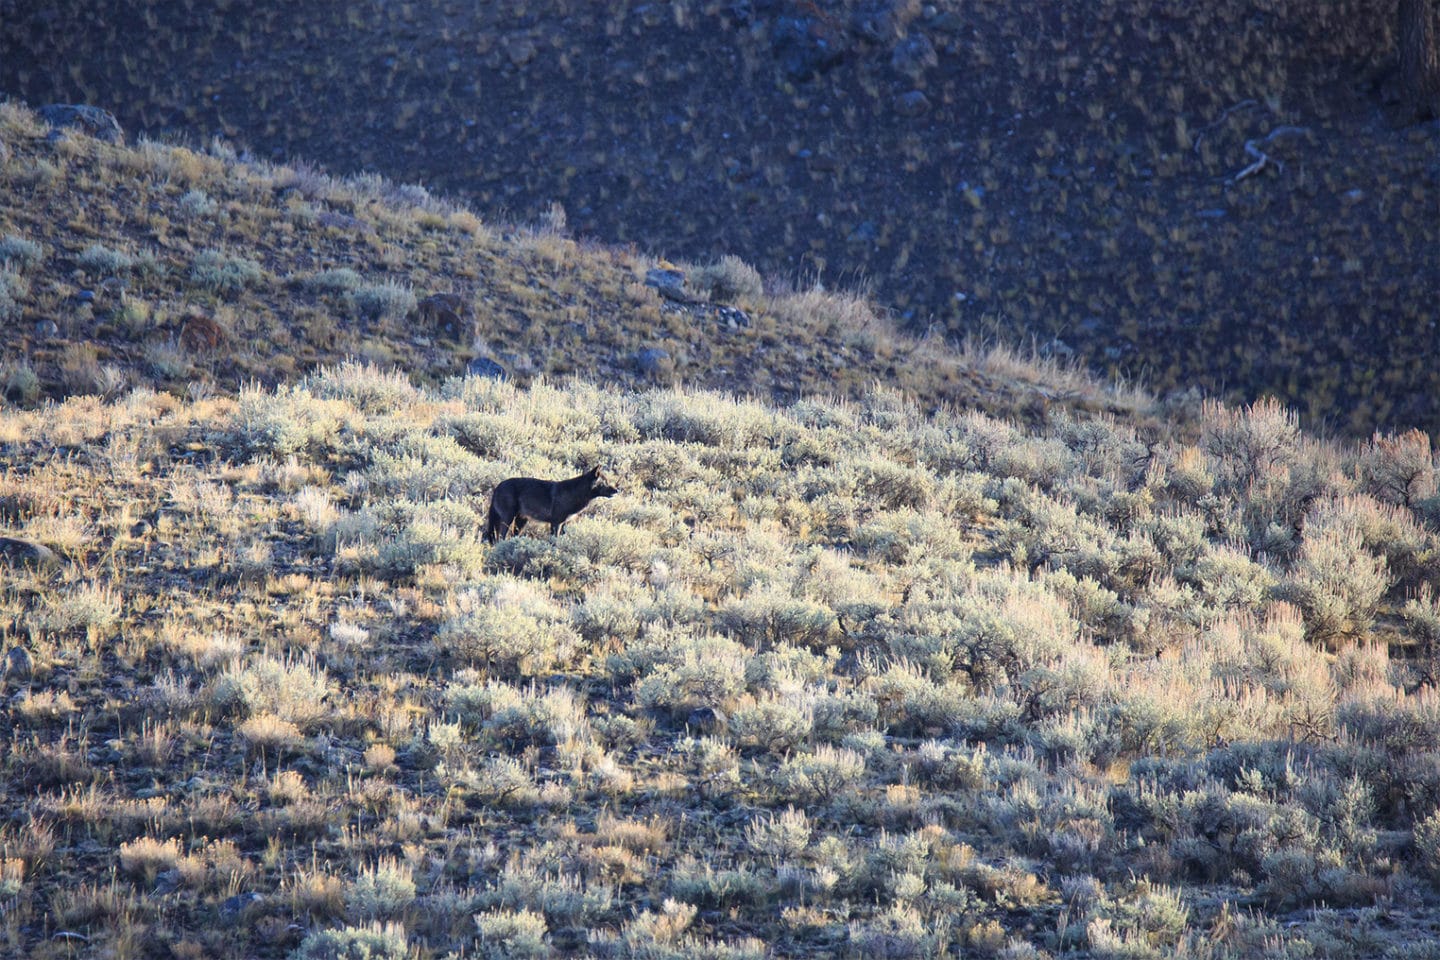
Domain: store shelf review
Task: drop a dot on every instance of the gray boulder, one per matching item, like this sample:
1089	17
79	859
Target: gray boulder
485	367
881	21
653	361
27	553
912	104
669	282
94	121
806	46
913	56
18	664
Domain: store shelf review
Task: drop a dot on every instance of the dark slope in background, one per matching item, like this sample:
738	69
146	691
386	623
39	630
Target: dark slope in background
1063	172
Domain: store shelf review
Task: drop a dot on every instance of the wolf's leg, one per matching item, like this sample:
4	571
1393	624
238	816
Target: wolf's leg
518	523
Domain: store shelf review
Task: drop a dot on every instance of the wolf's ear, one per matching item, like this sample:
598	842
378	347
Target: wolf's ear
593	471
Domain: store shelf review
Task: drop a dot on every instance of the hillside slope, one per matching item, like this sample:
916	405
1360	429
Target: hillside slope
1069	173
842	679
195	271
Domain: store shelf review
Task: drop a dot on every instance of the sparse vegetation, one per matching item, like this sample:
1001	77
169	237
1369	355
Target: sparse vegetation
883	648
884	683
258	273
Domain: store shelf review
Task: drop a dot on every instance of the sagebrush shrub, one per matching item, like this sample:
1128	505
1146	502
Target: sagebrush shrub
19	253
1335	581
102	261
384	301
509	626
291	688
1399	469
727	280
1427	844
370	942
1244	444
223	273
820	776
382	890
506	934
679	672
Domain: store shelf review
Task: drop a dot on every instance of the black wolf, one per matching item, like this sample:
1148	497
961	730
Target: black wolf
520	499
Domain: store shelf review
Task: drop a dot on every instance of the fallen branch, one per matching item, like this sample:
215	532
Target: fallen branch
1263	159
1225	115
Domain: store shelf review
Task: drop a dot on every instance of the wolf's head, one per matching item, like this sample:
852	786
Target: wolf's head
598	486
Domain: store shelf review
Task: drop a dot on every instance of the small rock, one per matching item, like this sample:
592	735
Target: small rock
232	906
947	22
19	552
866	232
653	360
485	367
520	50
912	104
202	334
18	664
46	328
734	317
806	46
913	56
98	123
708	720
881	21
442	312
670	282
167	882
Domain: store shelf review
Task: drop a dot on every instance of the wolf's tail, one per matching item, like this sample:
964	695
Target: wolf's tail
492	526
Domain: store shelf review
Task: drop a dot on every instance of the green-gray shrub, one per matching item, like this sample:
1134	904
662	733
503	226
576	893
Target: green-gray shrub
540	882
388	300
381	891
224	274
337	280
776	723
293	689
1245	444
727	280
196	205
1393	469
510	626
13	291
1427	844
291	422
101	261
680	671
20	253
820	776
368	387
370	942
506	934
1336	582
770	616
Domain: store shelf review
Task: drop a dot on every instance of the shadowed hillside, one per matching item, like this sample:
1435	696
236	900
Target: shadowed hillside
1068	172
